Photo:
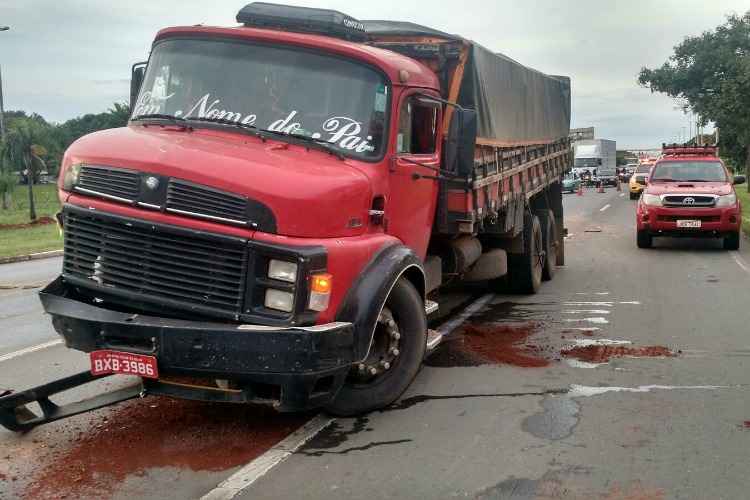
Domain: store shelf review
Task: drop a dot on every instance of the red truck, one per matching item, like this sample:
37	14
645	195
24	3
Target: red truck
690	193
274	223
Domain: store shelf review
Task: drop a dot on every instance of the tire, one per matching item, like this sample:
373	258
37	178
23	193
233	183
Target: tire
525	270
633	196
359	396
644	239
549	239
732	242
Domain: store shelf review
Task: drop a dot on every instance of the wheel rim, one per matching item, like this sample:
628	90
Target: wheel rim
384	351
538	254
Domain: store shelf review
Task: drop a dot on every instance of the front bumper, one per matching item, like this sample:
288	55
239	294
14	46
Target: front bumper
293	368
662	221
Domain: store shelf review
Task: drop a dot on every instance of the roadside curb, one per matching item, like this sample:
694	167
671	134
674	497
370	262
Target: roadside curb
31	256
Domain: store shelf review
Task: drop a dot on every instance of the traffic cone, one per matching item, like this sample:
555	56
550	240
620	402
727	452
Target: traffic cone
580	189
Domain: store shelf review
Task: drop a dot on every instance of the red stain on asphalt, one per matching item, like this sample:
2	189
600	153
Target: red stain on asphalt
503	343
746	424
636	491
603	353
160	432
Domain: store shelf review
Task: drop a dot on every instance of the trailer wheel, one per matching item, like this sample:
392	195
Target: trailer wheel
395	357
525	270
549	240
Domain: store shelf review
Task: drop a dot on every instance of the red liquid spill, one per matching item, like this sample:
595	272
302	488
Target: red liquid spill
160	432
503	343
603	353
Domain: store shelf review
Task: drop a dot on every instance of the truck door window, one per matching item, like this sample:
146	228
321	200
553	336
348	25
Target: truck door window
417	126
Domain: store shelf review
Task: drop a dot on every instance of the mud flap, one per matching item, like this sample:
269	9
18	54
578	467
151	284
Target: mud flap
17	417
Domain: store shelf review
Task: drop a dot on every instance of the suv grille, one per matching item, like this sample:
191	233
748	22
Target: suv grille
200	201
159	265
109	182
686	200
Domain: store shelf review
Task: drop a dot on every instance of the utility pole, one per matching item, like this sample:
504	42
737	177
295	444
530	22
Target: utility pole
2	111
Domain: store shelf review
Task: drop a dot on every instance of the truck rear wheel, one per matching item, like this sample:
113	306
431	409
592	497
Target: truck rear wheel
549	240
525	270
395	357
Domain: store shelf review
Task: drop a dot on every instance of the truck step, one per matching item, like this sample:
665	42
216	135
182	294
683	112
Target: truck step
434	338
430	307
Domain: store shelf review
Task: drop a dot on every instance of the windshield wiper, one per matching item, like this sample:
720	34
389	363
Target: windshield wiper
223	121
320	143
176	120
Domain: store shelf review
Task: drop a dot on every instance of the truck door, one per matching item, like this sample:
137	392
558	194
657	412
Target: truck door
413	188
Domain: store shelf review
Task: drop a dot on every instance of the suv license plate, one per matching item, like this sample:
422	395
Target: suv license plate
106	362
689	223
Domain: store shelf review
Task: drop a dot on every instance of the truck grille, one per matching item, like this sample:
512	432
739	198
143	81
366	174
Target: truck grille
686	200
109	182
155	264
199	201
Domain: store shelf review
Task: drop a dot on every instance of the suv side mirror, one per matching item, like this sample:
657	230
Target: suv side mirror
136	79
461	142
739	179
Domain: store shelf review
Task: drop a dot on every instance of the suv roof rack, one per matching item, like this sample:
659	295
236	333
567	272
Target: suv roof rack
686	149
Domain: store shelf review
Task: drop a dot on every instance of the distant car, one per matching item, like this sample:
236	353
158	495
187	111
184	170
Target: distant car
570	184
638	180
607	177
690	193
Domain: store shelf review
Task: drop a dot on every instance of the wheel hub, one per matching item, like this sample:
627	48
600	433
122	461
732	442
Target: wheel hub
384	350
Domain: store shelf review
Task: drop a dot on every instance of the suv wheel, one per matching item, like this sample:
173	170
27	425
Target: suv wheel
732	242
644	239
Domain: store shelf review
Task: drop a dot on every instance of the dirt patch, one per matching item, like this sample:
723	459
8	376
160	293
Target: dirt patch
603	353
491	343
159	432
41	221
636	491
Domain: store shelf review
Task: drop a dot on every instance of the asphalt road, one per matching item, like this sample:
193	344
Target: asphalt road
559	420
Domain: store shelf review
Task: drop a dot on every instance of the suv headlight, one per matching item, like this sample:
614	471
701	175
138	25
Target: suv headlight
727	200
651	199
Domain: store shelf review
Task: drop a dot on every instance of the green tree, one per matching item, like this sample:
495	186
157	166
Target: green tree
711	72
22	151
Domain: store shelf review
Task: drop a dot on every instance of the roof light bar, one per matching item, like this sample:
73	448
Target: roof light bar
302	19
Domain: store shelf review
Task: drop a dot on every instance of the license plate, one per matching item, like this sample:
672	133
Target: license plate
688	223
106	362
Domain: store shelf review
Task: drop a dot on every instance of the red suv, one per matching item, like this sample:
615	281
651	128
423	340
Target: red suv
690	193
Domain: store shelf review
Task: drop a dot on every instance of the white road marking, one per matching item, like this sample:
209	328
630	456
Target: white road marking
602	304
740	261
586	329
622	195
590	342
578	391
605	207
29	350
598	321
592	293
577	363
247	475
472	308
587	311
631	302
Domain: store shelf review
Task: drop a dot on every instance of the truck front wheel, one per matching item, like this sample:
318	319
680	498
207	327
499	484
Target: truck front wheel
395	357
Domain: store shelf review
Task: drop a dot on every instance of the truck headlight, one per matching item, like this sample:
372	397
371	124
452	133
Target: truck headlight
727	200
651	199
70	177
282	270
279	300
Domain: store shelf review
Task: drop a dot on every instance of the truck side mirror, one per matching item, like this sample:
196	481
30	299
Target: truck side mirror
136	80
739	179
461	142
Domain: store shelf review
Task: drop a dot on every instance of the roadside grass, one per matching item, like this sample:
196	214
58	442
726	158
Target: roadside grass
45	202
32	239
744	197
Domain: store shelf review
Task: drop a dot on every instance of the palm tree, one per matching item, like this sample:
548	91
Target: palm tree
21	150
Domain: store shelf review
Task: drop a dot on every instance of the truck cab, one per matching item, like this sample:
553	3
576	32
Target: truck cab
690	193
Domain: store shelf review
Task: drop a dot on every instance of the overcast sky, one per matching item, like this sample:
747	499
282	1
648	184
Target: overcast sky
64	58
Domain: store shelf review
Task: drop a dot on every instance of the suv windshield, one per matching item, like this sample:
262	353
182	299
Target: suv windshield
694	171
280	89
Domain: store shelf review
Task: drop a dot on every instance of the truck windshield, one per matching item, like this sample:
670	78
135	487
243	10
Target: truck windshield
281	89
695	171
